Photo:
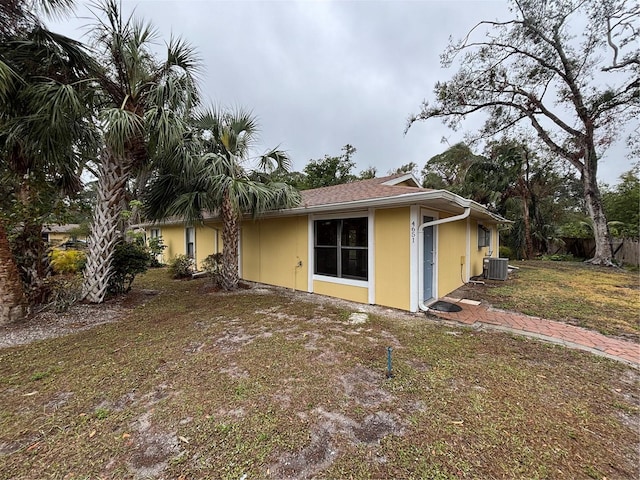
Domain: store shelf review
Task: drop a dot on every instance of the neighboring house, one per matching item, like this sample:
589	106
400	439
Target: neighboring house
57	235
382	241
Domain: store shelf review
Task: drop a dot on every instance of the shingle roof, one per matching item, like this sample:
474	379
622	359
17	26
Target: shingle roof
354	191
390	190
60	228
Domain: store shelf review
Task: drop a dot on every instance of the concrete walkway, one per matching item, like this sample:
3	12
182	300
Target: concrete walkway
556	332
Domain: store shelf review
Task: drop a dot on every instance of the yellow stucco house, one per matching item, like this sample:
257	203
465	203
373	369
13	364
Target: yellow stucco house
383	241
56	235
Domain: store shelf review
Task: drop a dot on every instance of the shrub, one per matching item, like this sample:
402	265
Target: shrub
129	260
560	257
63	292
67	261
213	266
156	247
181	266
505	252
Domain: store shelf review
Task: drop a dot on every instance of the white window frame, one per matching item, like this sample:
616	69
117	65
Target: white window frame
337	280
186	241
485	231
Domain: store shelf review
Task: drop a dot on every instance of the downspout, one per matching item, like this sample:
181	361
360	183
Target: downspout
433	223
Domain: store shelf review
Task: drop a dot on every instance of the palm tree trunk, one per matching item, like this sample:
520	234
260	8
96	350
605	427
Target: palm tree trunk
34	263
30	251
113	175
230	236
13	303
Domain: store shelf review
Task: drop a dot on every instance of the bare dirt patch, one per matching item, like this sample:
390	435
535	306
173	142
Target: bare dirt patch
364	387
79	317
312	459
152	448
50	325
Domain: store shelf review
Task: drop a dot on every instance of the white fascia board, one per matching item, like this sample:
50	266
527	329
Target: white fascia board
403	178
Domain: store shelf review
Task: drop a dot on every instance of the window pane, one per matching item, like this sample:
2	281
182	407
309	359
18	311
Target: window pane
354	263
326	261
354	232
327	232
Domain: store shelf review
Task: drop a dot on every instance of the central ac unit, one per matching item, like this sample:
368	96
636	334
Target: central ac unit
496	268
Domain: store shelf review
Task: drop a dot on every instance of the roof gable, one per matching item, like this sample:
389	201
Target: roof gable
383	187
405	179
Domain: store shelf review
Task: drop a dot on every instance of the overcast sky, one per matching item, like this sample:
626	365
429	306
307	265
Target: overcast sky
322	74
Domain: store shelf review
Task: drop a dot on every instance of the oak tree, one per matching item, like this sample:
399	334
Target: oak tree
577	91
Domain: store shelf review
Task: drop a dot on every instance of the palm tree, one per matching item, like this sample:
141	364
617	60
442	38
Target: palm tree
44	134
213	176
143	104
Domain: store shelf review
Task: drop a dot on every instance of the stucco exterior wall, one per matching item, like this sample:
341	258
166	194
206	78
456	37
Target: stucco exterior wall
392	258
275	251
347	292
173	238
205	244
56	238
272	250
452	241
478	253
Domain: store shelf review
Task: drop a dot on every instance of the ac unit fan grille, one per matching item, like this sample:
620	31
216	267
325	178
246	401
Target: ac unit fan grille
497	269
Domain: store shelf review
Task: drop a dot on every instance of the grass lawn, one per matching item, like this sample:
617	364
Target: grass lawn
269	384
598	298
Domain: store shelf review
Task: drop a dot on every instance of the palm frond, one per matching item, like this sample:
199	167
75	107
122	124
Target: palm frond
283	196
18	15
56	8
183	55
8	80
142	33
120	127
182	188
274	161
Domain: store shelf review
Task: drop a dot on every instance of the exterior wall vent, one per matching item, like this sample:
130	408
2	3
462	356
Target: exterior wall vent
496	268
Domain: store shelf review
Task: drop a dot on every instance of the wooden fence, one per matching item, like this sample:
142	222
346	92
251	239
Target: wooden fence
626	250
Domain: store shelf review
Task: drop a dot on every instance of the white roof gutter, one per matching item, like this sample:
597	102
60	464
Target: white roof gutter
462	216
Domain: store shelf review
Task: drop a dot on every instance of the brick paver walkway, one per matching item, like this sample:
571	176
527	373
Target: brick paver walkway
556	332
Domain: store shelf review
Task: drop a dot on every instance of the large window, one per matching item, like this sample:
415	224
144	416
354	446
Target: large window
341	248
